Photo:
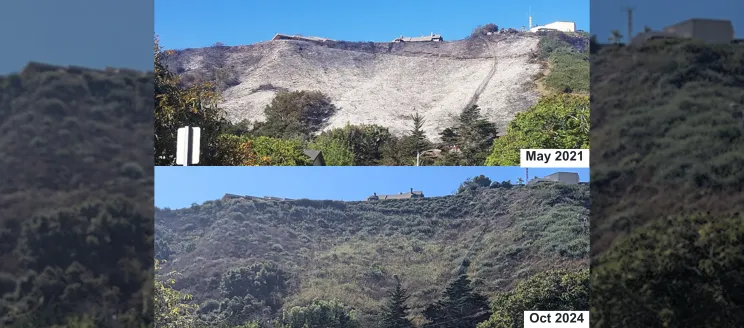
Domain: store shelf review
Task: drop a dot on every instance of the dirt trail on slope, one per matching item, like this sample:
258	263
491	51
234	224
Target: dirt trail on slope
482	86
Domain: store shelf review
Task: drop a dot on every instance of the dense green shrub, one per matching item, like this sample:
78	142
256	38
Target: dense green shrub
567	56
548	291
671	146
556	122
296	114
319	314
678	271
74	233
670	134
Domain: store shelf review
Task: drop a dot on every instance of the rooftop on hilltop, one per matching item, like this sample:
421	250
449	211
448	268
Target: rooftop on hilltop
426	38
408	195
563	177
280	36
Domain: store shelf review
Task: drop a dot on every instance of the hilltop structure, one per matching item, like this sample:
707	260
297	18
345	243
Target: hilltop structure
562	26
37	67
427	38
707	30
563	177
280	36
408	195
234	196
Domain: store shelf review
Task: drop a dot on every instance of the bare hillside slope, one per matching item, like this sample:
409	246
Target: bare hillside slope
375	83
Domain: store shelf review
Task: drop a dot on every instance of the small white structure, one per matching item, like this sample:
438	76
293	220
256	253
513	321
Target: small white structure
564	177
555	26
707	30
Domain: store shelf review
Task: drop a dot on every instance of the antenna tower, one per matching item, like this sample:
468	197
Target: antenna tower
629	10
529	15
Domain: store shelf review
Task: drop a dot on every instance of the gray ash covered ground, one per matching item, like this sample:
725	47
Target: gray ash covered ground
374	82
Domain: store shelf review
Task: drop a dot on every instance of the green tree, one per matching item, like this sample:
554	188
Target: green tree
319	314
177	106
418	136
395	312
560	121
474	183
368	143
679	271
242	128
398	151
281	152
336	152
296	114
266	282
471	136
615	37
162	250
247	151
238	151
459	307
74	262
403	150
549	291
172	309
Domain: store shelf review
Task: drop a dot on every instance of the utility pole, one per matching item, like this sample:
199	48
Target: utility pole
629	10
526	175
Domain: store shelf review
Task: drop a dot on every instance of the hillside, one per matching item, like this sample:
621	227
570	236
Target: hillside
351	251
375	83
667	176
75	213
669	139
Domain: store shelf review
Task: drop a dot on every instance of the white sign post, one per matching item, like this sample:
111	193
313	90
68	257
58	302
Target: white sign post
187	151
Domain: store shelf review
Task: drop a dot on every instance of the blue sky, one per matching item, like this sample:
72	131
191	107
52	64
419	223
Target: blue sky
607	15
199	23
178	187
89	33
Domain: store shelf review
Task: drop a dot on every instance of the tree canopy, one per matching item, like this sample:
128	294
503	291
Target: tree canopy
558	290
677	271
559	121
459	306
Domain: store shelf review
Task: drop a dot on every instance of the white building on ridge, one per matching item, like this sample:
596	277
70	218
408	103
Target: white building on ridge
706	30
564	177
562	26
